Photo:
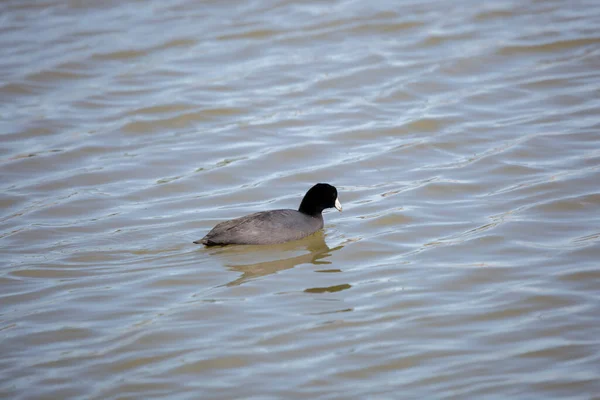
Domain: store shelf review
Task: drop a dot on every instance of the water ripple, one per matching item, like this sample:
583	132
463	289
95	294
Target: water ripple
462	139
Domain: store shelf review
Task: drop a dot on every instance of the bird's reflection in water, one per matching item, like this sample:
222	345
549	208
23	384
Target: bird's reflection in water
318	251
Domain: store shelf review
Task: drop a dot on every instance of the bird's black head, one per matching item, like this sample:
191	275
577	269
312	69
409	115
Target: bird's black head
318	198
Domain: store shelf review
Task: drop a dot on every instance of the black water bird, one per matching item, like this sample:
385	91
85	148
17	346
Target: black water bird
277	226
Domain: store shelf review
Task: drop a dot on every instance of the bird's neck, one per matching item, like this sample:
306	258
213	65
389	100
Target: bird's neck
312	211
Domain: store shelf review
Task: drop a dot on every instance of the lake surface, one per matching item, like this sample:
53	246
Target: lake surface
464	140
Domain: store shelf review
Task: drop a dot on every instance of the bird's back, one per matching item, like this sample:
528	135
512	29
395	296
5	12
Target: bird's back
266	227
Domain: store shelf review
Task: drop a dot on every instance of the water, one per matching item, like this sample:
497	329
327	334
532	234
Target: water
462	137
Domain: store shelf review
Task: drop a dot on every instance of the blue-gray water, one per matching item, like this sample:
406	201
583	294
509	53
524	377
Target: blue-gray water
463	137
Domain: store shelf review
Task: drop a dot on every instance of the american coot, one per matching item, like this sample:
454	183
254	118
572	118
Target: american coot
277	226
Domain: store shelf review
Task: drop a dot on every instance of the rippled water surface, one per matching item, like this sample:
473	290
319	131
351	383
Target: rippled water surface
463	137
